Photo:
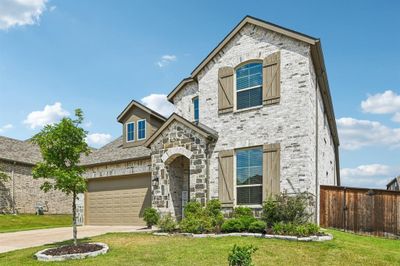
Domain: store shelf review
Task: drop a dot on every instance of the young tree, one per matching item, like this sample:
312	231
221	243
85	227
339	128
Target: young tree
3	176
62	145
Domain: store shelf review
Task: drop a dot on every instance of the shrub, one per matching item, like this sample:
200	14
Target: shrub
196	225
193	208
241	256
247	221
167	223
287	209
295	230
257	227
151	217
233	225
312	229
202	220
242	211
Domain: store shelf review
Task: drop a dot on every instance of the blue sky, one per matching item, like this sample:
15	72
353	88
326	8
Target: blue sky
98	55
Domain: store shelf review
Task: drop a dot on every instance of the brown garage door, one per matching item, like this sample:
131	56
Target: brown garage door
117	200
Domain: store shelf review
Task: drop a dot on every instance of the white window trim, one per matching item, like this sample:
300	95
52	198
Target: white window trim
145	129
235	109
235	186
126	130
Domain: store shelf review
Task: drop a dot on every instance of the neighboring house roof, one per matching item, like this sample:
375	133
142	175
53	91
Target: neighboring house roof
134	103
114	152
20	151
198	127
396	179
316	54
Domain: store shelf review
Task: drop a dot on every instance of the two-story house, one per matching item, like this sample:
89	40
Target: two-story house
254	118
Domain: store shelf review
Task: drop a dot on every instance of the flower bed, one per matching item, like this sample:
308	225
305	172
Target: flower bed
321	237
70	252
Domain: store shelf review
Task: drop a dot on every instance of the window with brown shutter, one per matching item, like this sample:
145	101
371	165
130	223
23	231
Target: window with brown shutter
225	89
271	170
225	177
271	79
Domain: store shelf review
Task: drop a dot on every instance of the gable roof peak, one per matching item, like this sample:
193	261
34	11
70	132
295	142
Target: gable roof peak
139	105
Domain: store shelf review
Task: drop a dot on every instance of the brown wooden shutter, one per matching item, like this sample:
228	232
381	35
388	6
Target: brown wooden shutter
271	170
225	89
272	78
225	177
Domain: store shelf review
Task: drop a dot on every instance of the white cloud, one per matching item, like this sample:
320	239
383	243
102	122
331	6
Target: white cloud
49	115
159	103
20	12
355	134
166	59
368	176
6	127
383	103
98	139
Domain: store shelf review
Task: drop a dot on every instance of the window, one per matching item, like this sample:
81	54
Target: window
196	108
249	86
249	166
141	129
130	132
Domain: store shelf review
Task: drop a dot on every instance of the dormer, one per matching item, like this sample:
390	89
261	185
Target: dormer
138	123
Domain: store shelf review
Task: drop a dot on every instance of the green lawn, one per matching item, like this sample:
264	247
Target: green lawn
22	222
146	249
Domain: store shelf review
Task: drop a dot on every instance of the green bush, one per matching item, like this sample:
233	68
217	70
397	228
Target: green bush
193	208
257	227
151	217
287	209
167	223
242	211
247	221
241	256
196	225
295	230
312	229
200	219
232	225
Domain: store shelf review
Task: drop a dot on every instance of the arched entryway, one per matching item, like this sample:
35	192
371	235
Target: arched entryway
178	170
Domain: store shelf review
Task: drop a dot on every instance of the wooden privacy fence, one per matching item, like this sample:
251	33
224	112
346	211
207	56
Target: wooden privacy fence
361	210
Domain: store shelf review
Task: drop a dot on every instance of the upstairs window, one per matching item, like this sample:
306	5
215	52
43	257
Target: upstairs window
249	86
130	132
249	167
196	109
141	129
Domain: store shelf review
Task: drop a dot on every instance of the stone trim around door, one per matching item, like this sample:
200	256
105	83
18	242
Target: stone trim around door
178	144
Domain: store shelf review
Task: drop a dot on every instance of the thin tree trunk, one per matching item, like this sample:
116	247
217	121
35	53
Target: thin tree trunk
74	229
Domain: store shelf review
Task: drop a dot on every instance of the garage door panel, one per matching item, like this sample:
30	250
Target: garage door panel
122	204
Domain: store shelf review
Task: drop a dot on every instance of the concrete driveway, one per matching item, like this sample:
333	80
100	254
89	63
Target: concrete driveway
34	238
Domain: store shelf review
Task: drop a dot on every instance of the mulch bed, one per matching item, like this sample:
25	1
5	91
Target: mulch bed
66	250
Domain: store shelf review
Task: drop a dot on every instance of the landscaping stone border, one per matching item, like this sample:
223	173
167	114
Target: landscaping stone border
77	256
326	237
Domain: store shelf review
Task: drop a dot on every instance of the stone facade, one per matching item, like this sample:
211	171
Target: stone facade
25	192
290	123
176	153
118	169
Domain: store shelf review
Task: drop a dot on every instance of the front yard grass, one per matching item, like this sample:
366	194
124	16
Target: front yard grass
146	249
23	222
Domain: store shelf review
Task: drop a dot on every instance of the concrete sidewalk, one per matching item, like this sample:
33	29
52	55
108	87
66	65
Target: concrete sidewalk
34	238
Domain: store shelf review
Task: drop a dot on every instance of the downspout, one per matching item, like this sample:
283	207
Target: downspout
316	149
13	188
208	172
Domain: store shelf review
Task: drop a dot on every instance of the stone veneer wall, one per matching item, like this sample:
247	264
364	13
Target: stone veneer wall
118	169
27	192
187	141
290	123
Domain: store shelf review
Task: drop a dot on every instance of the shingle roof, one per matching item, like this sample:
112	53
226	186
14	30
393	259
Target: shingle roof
19	151
115	152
